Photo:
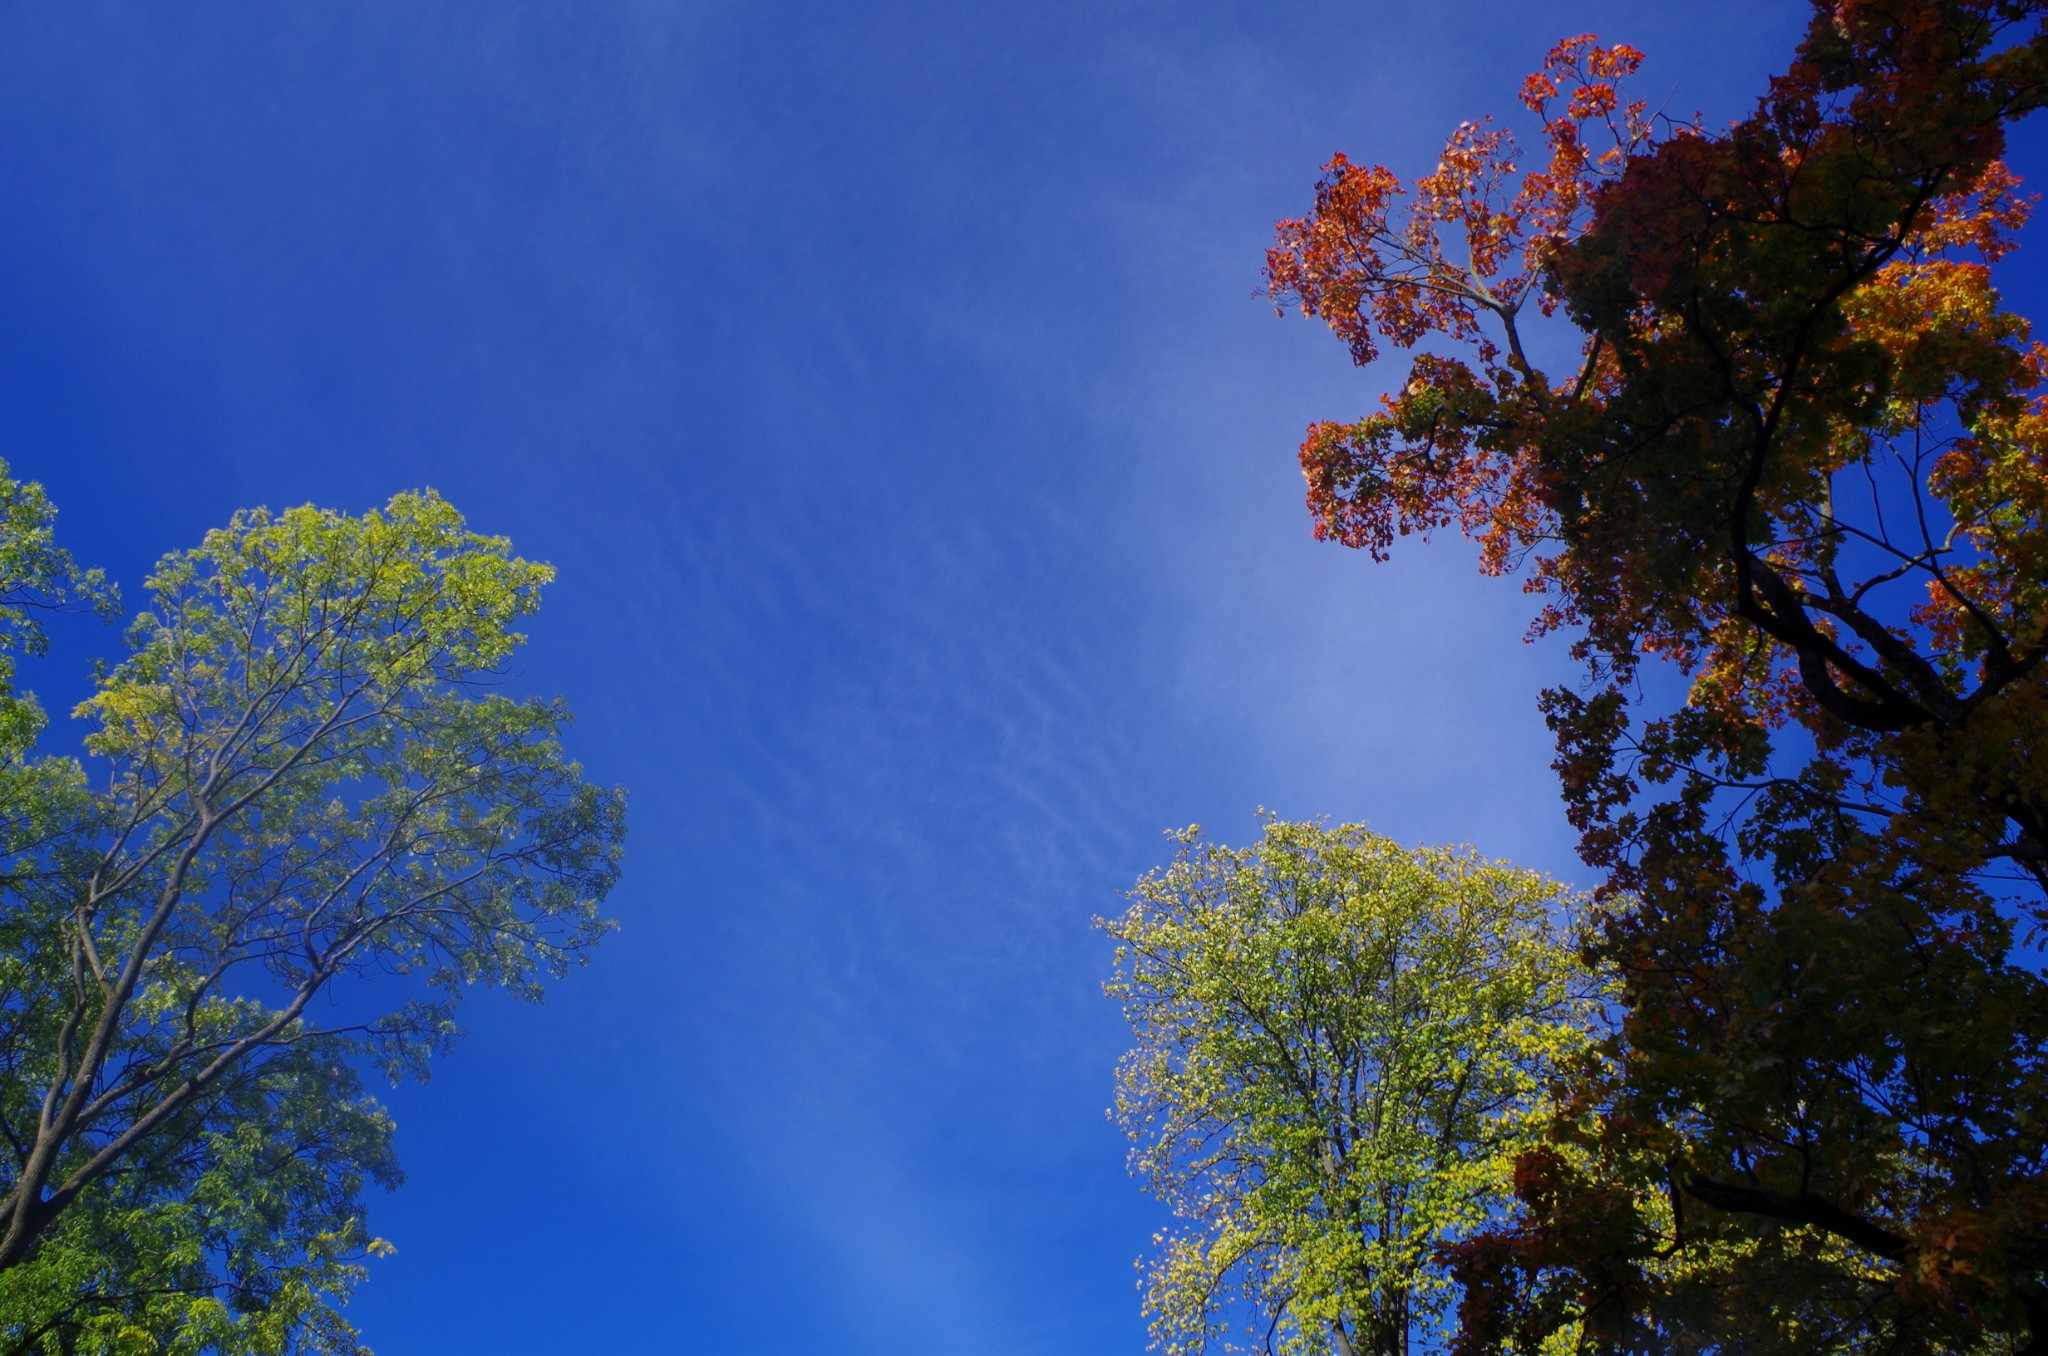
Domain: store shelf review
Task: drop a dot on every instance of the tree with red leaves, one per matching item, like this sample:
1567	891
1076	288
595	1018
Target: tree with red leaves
1802	458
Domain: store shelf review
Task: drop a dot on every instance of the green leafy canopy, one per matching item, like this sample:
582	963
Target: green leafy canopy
309	779
1341	1045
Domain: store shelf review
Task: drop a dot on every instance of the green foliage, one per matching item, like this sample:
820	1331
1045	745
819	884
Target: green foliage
310	782
236	1232
1341	1045
36	576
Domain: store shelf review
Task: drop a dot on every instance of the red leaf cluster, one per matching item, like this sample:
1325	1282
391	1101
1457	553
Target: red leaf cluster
1802	457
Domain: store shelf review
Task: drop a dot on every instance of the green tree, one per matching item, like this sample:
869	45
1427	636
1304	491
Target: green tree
309	782
238	1232
1802	457
1340	1044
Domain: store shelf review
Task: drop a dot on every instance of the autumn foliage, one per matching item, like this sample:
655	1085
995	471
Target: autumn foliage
1799	453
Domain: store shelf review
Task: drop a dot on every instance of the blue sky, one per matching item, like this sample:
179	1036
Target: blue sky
887	383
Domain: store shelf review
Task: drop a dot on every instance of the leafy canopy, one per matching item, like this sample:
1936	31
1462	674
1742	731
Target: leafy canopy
309	781
1802	458
1340	1044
